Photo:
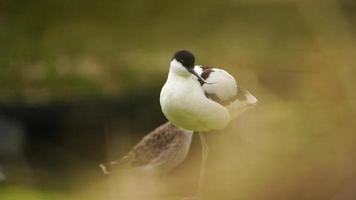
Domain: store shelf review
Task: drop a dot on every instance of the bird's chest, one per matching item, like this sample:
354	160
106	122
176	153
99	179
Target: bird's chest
184	103
181	95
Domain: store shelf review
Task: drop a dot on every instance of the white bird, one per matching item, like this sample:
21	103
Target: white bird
201	99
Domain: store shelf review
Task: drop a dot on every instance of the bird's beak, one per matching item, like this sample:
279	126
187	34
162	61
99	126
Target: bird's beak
192	71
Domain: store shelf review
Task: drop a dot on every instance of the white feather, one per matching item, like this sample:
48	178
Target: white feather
223	85
190	105
184	103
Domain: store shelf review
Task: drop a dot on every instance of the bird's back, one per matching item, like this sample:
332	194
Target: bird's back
225	91
160	150
223	84
153	144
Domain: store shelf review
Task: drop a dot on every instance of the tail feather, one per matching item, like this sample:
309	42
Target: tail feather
244	100
107	168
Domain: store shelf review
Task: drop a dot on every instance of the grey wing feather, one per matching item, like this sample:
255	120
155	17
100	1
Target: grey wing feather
172	155
148	149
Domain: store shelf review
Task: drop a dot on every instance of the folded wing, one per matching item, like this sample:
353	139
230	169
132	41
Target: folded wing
160	150
223	89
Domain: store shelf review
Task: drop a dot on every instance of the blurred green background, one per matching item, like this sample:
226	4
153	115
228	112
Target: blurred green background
80	83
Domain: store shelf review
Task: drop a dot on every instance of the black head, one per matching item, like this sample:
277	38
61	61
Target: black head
185	57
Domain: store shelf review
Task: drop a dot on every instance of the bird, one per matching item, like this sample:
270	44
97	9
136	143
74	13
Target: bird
160	151
201	99
164	148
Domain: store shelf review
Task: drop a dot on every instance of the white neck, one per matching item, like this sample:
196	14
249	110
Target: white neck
177	68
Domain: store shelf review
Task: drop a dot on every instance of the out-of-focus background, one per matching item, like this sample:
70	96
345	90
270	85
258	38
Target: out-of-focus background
80	83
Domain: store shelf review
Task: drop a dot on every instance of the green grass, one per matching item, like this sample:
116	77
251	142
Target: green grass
27	193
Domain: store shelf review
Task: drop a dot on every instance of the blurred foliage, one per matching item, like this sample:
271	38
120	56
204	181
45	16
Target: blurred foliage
19	193
297	57
66	49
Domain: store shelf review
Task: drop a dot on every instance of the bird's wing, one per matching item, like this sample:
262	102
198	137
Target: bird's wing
224	90
149	148
151	145
170	156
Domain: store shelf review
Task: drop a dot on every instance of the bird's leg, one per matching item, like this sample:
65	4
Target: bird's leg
204	159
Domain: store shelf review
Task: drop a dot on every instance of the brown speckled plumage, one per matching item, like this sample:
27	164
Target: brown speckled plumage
161	149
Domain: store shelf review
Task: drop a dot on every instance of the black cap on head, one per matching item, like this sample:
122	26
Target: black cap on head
185	57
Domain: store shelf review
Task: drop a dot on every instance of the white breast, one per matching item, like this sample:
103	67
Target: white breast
184	103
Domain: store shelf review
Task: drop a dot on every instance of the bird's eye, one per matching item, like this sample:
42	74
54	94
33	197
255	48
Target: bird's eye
181	60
